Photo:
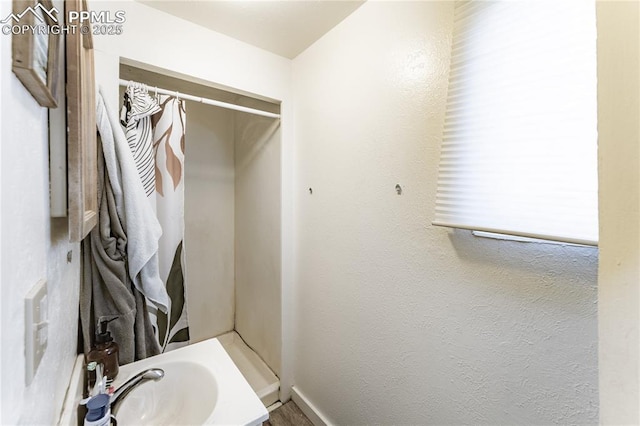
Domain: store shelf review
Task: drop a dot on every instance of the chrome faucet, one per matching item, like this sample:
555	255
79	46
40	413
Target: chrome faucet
142	377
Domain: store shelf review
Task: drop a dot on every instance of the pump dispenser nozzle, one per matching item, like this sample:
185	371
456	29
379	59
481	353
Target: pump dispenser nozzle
102	334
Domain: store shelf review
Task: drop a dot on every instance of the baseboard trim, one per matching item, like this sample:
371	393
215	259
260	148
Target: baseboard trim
309	410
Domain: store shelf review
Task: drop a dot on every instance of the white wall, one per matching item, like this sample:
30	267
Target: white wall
619	184
257	231
155	40
397	321
209	219
34	247
232	216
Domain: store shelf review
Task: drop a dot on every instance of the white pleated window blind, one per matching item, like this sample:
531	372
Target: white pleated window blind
519	149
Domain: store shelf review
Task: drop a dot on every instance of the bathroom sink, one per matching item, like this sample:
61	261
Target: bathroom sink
201	386
172	400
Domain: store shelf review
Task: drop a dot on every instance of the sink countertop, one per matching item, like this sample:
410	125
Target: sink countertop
237	403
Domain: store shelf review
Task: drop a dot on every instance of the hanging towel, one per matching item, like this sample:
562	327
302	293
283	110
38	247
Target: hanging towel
140	224
120	254
135	115
106	291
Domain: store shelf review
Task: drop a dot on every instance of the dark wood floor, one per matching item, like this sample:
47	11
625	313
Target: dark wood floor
287	415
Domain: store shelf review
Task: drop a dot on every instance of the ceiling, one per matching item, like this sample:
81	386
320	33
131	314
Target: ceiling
285	28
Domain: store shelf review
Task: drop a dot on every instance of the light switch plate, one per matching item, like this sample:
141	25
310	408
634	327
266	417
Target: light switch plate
36	327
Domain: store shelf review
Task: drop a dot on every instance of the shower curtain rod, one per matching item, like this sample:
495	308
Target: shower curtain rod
203	100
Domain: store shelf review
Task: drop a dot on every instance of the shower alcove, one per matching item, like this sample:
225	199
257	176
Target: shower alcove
232	226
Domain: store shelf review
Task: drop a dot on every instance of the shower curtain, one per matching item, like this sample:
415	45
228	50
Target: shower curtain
155	129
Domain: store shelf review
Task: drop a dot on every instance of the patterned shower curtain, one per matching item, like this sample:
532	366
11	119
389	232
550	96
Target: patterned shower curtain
155	128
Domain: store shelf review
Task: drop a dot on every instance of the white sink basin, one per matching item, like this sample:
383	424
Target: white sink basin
201	386
174	399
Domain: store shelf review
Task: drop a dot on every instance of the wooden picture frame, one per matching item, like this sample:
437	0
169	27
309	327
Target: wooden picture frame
58	141
35	53
82	141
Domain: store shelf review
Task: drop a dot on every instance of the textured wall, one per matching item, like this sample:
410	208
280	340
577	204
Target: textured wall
257	231
396	321
209	218
619	184
34	247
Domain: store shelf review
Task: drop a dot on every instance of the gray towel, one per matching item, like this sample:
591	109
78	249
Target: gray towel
107	290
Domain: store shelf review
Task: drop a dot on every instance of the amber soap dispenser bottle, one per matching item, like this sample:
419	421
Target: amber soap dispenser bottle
105	351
